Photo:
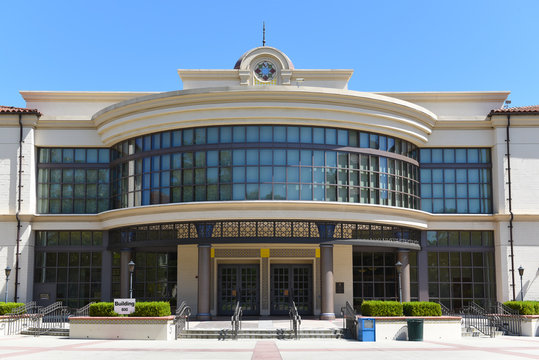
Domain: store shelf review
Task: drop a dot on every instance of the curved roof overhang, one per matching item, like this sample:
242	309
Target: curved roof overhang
264	105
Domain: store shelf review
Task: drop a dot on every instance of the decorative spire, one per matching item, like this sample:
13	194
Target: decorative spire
263	33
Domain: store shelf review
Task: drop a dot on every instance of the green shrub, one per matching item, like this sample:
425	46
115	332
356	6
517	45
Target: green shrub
524	307
6	308
421	308
381	308
154	309
102	309
142	309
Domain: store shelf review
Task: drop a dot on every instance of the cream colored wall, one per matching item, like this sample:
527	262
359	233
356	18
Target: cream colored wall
188	276
74	105
343	272
9	145
8	249
68	137
524	148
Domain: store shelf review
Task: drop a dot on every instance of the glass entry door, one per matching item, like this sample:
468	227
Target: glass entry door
289	283
238	283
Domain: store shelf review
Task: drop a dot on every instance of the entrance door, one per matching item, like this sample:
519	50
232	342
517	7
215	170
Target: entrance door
291	283
238	283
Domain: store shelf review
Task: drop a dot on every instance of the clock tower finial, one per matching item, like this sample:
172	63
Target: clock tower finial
263	33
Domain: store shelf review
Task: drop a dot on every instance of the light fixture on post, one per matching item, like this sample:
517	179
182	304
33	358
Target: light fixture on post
8	271
131	267
398	266
521	272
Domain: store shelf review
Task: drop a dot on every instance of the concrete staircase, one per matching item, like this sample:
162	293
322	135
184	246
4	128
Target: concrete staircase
51	332
473	332
227	334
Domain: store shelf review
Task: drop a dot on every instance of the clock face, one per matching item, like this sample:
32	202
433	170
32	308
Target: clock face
265	71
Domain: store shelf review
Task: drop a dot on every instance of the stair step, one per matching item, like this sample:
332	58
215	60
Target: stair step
261	334
50	332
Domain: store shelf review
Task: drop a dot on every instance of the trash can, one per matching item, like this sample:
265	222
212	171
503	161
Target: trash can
366	329
415	329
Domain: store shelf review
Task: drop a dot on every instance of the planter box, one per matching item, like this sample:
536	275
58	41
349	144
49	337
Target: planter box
124	328
530	325
434	327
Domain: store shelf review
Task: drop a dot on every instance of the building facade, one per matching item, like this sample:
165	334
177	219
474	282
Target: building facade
267	184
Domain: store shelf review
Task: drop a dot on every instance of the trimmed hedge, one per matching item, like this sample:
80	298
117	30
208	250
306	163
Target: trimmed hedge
142	309
421	308
102	309
154	308
524	307
381	308
6	308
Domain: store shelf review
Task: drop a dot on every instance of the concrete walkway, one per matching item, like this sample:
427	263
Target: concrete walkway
55	348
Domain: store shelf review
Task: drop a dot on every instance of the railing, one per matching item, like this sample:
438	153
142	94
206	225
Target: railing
478	318
84	311
22	318
235	320
349	319
445	310
181	320
295	320
507	320
54	316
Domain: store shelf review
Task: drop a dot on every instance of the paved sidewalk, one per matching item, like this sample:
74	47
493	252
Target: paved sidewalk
56	348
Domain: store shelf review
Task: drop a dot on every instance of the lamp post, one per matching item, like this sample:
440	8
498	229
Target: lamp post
398	266
131	267
521	272
8	271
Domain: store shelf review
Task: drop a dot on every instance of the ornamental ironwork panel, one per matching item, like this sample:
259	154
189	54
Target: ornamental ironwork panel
236	253
298	231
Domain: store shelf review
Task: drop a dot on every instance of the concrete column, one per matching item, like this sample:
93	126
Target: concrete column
405	274
422	269
204	282
328	283
125	258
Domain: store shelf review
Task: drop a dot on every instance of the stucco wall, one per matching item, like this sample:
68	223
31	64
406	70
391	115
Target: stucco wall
188	276
342	272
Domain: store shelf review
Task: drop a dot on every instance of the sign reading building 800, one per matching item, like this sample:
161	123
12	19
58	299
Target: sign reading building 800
124	306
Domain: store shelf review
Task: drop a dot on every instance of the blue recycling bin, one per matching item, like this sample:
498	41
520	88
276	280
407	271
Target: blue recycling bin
366	329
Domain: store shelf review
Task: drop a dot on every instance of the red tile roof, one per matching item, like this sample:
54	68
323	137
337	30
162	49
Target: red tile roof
517	110
17	110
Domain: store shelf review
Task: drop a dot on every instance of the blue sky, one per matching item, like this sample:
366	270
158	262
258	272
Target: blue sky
135	45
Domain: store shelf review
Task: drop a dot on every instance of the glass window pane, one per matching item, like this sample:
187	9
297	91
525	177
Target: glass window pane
437	156
318	135
473	156
252	133
306	135
238	157
331	136
279	134
213	135
424	156
239	134
226	134
266	134
91	155
449	156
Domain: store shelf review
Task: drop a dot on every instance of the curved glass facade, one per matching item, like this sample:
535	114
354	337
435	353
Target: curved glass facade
264	163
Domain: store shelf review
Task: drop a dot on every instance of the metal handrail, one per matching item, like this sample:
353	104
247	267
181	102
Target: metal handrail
508	320
236	319
477	317
22	318
350	322
181	319
54	316
295	320
85	310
